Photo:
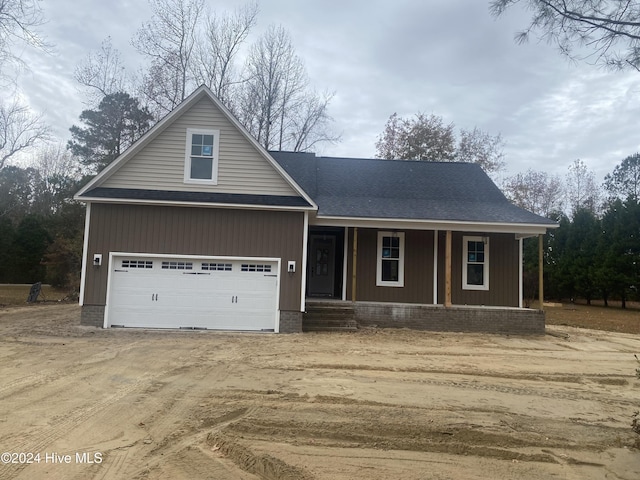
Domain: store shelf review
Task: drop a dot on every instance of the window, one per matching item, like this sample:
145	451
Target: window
177	265
390	270
137	264
255	268
475	263
220	267
201	159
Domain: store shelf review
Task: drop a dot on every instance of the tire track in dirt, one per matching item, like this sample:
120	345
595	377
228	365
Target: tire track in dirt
609	398
63	424
168	439
167	399
17	386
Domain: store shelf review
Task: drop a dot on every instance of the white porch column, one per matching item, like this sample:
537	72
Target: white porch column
435	267
447	271
355	263
540	271
520	273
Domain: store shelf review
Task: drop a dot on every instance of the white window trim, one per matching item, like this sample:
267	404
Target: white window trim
485	266
187	156
379	281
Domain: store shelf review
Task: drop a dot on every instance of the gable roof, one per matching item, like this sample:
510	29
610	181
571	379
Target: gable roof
403	189
95	189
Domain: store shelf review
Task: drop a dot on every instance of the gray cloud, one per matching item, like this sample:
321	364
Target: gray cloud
449	58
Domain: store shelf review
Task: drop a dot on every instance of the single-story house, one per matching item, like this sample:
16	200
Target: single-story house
197	226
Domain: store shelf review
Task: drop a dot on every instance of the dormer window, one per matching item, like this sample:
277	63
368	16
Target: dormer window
201	158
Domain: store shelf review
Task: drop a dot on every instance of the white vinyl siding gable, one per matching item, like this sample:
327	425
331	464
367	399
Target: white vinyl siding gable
160	165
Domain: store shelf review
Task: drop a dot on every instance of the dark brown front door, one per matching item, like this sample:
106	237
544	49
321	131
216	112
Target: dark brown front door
322	261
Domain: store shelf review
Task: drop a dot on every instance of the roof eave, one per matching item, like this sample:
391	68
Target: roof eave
246	206
425	224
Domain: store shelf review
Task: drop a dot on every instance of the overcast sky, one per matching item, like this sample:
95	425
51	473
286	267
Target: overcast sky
448	57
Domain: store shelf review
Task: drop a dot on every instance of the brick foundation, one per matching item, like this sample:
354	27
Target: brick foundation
520	321
92	315
290	322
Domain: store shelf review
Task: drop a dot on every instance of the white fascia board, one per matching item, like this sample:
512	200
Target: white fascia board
167	120
125	201
417	224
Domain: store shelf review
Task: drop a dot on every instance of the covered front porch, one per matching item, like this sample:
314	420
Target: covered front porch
429	281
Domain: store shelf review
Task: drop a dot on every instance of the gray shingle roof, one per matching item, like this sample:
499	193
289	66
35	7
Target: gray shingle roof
401	189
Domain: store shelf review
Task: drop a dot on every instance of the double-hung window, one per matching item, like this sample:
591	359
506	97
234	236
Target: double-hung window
390	269
475	263
201	157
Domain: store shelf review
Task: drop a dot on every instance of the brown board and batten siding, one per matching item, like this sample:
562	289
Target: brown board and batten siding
195	231
418	268
160	164
503	271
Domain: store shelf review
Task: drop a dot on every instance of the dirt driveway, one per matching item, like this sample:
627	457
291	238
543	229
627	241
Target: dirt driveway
376	404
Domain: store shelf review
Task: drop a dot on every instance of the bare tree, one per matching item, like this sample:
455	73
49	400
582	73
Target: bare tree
582	191
168	40
19	130
275	78
213	62
608	29
537	192
476	146
19	20
310	123
390	143
101	73
57	177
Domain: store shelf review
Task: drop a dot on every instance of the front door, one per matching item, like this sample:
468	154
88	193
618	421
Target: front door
322	265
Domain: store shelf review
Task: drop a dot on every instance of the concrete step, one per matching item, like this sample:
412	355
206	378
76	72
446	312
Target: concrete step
328	317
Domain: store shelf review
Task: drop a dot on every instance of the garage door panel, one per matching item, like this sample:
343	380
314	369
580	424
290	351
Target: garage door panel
193	293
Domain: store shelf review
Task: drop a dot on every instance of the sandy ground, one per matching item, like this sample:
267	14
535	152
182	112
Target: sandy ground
376	404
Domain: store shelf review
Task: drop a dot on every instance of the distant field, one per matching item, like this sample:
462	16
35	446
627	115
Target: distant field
17	294
596	317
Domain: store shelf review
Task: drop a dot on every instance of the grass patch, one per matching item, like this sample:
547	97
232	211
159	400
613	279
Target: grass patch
17	294
596	317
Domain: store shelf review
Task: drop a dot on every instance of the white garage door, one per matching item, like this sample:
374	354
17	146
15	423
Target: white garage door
193	292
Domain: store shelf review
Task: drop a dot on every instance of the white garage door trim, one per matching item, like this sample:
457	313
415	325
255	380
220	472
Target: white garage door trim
119	255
